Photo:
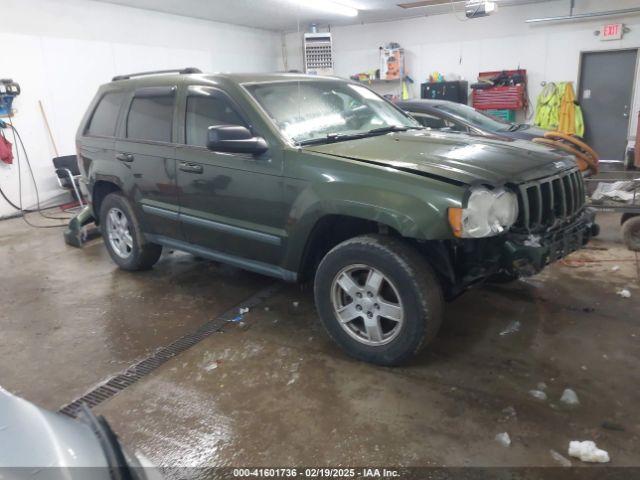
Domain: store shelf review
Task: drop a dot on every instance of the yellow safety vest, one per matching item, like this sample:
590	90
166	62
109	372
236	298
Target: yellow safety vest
556	109
547	107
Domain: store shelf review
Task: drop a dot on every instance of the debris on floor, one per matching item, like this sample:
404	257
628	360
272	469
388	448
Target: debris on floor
624	293
212	366
503	439
509	411
294	378
240	316
541	386
587	451
561	459
513	327
569	397
615	268
612	426
538	394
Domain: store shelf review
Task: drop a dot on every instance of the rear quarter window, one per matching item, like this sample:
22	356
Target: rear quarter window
105	116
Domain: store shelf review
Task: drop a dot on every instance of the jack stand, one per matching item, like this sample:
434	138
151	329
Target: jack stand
75	234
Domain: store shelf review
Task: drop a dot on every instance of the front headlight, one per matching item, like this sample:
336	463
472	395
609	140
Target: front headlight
488	213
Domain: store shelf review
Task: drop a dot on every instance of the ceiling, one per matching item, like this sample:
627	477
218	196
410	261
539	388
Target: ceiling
287	15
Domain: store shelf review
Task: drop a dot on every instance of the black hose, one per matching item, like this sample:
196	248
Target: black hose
9	201
17	138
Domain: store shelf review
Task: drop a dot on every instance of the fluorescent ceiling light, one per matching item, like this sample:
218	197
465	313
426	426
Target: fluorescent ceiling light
428	3
434	3
328	7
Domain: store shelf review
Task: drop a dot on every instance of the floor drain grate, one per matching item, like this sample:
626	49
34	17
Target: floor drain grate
138	370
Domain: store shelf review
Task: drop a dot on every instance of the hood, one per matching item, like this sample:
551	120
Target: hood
456	158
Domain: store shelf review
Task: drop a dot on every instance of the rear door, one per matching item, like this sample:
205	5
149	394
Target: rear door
230	202
147	150
96	143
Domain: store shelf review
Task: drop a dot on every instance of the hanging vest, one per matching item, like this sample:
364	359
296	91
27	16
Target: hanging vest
547	107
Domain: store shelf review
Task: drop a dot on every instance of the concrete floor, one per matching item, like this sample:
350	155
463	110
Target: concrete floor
275	391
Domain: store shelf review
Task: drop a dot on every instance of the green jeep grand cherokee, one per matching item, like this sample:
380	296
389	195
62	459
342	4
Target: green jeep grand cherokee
318	179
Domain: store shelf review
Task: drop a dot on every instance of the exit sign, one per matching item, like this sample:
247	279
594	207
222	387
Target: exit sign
612	31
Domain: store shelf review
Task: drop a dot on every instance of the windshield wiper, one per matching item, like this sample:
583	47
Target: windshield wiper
338	137
387	129
332	137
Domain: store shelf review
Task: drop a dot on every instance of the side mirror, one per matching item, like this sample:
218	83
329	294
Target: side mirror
234	139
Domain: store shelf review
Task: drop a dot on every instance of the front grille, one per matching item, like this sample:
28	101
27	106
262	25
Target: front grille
544	203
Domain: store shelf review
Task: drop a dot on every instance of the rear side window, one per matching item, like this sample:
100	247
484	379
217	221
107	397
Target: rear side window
105	116
204	112
151	118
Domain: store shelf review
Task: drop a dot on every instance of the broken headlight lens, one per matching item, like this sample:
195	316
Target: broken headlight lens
488	213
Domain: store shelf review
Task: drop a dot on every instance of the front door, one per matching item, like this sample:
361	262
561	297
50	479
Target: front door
231	203
146	149
605	93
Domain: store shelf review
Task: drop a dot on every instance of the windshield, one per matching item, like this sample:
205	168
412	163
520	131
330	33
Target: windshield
474	117
314	110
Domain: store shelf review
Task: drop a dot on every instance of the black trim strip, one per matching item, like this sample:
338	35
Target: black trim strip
244	263
161	212
218	226
226	228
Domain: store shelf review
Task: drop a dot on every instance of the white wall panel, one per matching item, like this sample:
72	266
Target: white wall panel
60	51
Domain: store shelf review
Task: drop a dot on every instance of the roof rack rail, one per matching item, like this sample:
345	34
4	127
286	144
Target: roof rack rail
181	71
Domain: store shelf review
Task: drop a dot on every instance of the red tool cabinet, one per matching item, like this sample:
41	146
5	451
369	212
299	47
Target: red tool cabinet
499	98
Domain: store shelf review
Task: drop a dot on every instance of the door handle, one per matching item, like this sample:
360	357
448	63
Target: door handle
125	157
191	167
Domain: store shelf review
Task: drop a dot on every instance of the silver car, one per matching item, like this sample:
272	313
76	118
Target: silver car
36	443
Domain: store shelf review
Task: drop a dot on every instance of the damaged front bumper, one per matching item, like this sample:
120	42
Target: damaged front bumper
527	254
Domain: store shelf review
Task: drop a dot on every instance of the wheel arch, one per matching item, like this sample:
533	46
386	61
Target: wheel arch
102	188
328	231
327	211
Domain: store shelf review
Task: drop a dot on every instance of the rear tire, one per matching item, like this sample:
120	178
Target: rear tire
396	300
123	237
631	233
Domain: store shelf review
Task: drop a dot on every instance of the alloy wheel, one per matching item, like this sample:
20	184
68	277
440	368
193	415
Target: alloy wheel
119	233
367	304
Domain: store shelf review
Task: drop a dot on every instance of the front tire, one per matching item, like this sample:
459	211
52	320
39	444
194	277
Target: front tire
378	298
123	237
